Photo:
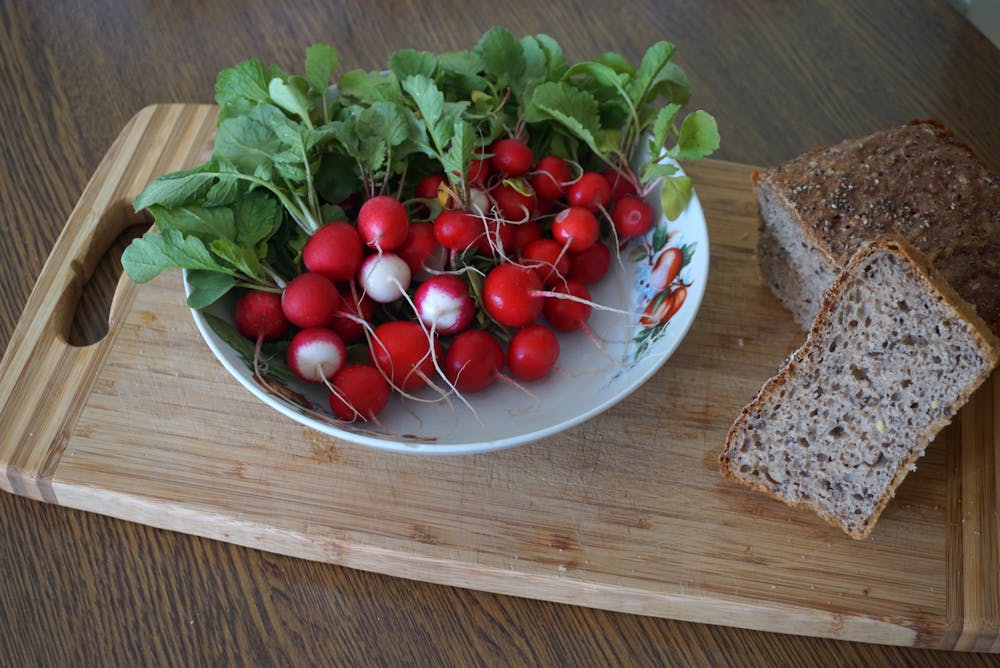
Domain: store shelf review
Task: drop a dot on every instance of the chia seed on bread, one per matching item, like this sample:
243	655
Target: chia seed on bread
892	355
916	180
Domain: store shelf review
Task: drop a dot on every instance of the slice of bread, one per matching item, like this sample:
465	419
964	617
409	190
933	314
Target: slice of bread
892	355
917	181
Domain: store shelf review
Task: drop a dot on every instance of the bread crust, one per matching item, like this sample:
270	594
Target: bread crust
916	180
935	284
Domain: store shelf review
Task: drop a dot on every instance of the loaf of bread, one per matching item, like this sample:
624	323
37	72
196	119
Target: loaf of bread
892	355
917	181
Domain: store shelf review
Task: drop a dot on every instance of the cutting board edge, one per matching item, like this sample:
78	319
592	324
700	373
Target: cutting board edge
741	613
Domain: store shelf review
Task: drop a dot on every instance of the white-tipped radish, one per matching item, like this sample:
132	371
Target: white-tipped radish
479	202
316	354
443	304
384	277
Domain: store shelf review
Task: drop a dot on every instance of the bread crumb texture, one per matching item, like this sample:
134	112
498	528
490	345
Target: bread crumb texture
886	365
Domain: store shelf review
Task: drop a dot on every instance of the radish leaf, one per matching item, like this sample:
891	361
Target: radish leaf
207	287
153	253
699	137
410	62
675	195
321	63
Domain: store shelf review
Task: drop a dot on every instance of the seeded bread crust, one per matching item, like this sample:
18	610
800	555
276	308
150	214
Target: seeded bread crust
917	181
753	439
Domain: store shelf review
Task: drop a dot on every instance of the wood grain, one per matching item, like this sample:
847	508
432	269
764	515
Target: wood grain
780	78
145	425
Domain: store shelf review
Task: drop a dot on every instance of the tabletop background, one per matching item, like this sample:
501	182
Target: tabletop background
780	77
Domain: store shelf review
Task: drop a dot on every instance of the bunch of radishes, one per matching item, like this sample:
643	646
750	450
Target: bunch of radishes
450	288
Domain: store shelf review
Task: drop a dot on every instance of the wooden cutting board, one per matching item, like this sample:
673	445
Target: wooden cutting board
625	512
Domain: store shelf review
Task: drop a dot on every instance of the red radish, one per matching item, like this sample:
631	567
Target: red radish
258	314
576	227
479	171
349	202
382	223
632	217
591	191
665	268
310	300
532	352
511	157
443	303
550	174
473	361
548	259
457	230
401	350
384	277
346	321
316	354
514	200
591	265
545	206
498	238
427	187
334	251
510	295
359	391
418	247
620	185
566	315
524	234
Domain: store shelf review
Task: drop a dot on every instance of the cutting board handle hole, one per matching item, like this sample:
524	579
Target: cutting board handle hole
102	270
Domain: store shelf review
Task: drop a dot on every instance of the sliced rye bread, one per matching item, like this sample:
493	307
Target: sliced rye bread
892	355
917	181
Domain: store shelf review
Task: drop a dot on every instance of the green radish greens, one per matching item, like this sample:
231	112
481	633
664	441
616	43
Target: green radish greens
290	149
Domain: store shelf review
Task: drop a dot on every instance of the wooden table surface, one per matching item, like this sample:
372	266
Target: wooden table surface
81	589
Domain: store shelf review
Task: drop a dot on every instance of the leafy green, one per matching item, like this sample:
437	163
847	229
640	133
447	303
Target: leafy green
699	137
410	62
177	188
321	63
574	109
155	252
207	287
204	223
239	89
675	195
292	99
290	148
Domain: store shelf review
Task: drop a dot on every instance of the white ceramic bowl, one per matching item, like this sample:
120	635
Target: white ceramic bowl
589	380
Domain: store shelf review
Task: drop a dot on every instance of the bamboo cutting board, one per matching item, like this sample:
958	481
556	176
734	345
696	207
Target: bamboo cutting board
625	512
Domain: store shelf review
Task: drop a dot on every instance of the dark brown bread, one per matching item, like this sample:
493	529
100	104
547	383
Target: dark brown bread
892	355
917	181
